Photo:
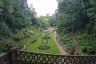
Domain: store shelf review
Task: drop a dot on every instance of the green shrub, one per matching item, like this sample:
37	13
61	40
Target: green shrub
44	47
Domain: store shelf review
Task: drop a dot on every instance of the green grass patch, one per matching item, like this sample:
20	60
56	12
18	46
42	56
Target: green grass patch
34	46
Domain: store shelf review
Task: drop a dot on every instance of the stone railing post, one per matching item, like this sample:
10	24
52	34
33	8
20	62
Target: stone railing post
12	54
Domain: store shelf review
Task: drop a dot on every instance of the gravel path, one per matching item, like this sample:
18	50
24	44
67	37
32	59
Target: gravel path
62	51
75	49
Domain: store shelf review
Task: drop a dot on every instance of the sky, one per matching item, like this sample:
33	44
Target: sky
43	7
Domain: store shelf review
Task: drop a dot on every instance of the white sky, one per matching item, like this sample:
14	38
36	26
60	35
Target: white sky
44	7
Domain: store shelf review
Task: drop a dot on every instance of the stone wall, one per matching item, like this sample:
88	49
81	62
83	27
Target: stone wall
4	58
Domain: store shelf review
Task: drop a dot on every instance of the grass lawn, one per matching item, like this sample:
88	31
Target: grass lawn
34	46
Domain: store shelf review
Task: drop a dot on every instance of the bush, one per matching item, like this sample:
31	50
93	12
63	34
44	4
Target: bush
44	47
33	41
18	36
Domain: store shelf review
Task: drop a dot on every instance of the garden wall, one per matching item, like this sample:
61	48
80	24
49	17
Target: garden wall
4	58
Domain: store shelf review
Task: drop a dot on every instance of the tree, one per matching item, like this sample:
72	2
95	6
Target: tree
15	17
79	17
43	20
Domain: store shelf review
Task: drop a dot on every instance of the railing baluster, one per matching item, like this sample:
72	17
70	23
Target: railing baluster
40	58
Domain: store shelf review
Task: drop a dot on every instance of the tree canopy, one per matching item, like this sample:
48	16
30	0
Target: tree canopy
78	17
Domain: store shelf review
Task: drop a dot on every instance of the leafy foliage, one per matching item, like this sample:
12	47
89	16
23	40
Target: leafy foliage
15	19
78	17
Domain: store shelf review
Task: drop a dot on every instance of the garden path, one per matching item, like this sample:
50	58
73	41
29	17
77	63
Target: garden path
57	41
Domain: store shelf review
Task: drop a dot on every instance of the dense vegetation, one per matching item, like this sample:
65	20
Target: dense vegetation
17	21
74	20
77	17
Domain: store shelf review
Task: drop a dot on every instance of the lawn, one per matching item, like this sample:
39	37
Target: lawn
34	46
